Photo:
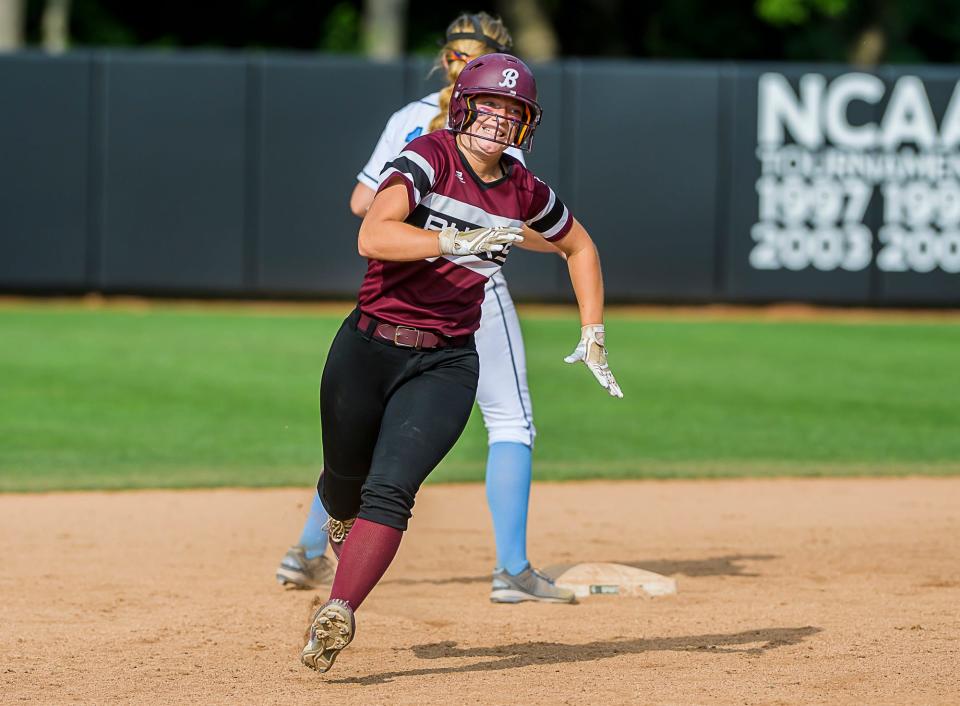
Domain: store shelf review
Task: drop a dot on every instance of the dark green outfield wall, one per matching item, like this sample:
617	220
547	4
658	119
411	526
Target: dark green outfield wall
229	175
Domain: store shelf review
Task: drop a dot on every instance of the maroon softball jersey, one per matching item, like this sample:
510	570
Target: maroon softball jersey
444	293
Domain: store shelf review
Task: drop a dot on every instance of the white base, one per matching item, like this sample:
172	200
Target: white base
601	579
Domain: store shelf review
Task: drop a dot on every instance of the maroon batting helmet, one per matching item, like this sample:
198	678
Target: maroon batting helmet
502	75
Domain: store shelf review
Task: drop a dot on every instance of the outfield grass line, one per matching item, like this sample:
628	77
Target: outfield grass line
212	479
774	312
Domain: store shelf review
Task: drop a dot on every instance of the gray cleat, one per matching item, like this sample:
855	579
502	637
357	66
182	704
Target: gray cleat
331	630
298	571
528	585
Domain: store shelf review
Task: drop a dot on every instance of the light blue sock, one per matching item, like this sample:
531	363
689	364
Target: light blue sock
509	472
314	537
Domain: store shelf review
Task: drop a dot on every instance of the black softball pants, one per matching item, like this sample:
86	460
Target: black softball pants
388	416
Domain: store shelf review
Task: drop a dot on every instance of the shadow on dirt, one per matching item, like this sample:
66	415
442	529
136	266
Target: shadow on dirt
749	642
714	566
728	565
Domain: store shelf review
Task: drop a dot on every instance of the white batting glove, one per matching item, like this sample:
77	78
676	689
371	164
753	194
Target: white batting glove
593	353
476	241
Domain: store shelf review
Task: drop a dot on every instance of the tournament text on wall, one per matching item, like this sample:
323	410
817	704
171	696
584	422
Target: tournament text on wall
821	171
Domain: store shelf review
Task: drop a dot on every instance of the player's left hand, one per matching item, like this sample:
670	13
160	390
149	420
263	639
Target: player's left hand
593	353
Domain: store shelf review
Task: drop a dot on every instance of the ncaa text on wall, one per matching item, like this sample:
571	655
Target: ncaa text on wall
821	170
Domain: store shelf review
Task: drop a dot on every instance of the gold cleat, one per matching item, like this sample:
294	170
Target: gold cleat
331	630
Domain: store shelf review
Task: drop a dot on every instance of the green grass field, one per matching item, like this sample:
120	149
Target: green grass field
173	397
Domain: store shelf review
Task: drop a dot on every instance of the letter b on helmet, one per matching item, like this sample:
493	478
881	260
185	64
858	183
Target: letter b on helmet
509	78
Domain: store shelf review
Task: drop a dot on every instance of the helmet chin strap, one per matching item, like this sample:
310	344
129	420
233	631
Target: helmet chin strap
473	136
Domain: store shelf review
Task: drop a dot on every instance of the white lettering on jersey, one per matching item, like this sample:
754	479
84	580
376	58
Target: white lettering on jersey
509	78
435	222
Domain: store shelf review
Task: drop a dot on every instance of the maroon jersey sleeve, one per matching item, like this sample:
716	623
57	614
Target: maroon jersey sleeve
548	216
418	167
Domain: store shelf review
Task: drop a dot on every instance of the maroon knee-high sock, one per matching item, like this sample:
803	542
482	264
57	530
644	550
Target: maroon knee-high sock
365	556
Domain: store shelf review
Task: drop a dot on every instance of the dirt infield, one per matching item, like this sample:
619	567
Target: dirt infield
791	591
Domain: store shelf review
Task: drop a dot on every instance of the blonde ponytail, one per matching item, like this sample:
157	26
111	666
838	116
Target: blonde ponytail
458	51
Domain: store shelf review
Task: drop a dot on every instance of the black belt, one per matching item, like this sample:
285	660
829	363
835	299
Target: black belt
407	336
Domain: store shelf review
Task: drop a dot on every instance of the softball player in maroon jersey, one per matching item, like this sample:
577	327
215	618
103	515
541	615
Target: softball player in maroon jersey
401	375
503	393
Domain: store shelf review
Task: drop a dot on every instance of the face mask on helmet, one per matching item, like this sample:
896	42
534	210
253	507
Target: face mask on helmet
496	127
496	75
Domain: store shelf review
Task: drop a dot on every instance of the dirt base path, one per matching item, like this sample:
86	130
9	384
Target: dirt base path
791	591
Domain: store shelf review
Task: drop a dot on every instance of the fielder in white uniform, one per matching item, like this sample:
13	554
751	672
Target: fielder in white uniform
502	394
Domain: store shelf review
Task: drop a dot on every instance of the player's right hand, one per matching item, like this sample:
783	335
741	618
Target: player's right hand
476	241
